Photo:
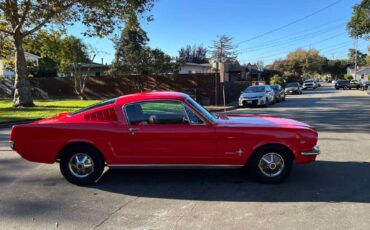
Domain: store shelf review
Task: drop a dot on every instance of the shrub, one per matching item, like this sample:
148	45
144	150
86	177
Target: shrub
348	76
276	79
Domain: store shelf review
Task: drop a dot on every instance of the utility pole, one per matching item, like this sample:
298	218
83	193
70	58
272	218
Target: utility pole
356	45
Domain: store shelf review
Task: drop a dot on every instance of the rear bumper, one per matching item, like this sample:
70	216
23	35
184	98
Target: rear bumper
314	152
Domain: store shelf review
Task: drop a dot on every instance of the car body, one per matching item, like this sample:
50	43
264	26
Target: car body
309	84
364	85
279	93
347	84
163	129
257	95
293	88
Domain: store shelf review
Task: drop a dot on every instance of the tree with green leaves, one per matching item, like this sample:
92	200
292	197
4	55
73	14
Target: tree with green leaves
131	51
223	49
20	19
359	25
336	68
161	63
277	80
133	56
361	57
194	54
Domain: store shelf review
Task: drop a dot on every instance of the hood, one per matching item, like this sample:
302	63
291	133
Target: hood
253	94
241	120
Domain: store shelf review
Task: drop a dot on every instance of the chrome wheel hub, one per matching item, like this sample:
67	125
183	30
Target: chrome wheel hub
81	165
271	164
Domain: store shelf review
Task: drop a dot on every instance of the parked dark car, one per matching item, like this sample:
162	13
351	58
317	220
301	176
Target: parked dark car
365	85
279	93
346	84
293	88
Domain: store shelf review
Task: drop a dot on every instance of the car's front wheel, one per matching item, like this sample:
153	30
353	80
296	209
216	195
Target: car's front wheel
271	165
81	165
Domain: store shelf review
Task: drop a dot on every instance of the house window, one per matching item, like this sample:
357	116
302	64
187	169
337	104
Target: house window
97	74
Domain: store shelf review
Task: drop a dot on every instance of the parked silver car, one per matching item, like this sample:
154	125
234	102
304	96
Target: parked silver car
293	88
257	95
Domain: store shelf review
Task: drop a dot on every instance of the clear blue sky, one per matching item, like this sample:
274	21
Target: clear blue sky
179	23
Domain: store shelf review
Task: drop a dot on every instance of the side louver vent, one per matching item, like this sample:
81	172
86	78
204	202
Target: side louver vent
102	115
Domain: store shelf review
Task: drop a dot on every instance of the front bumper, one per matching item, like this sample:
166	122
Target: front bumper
251	101
314	152
293	91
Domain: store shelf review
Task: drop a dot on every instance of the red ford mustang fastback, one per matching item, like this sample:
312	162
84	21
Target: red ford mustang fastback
164	129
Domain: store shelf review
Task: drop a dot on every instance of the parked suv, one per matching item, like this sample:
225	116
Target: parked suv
309	84
345	84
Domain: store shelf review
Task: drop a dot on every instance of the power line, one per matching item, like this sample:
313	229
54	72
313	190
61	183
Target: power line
291	23
317	42
302	33
290	40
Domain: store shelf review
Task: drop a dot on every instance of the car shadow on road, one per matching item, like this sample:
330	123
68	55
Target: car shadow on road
322	181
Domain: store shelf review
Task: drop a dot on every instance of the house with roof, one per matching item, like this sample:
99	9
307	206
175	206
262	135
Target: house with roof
363	73
193	68
88	69
233	72
5	72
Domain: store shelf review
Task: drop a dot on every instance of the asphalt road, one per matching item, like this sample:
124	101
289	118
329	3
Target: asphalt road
332	193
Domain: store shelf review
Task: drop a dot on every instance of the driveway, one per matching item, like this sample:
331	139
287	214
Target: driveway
332	193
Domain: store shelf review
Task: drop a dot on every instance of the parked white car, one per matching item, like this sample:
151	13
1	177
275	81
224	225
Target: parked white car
257	95
309	84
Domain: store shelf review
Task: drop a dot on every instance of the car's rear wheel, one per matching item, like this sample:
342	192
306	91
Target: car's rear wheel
81	165
271	165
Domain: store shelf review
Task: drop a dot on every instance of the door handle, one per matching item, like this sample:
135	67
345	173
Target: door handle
133	130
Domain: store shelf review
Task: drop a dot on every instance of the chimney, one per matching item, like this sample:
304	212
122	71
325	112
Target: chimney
102	61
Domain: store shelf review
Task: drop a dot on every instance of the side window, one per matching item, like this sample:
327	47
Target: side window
193	118
156	112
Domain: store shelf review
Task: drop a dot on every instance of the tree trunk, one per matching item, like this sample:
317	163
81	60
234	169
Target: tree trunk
22	92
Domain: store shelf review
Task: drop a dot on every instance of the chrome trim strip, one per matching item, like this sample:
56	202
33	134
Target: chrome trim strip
314	152
172	166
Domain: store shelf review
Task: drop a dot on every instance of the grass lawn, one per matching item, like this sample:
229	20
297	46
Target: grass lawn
43	109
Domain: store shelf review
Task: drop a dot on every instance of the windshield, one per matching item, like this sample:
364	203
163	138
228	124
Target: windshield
201	110
255	89
293	84
97	105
